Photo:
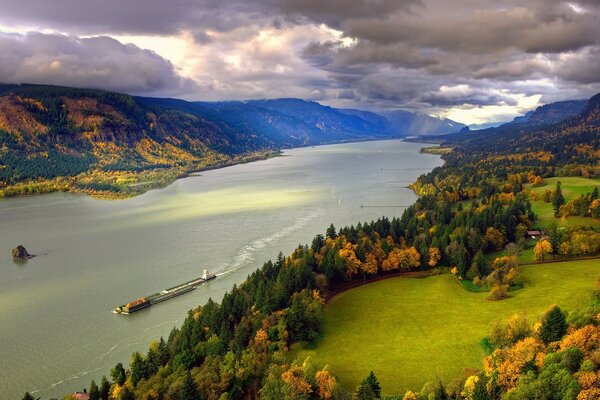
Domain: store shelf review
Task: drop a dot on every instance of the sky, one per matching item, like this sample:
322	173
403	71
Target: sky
474	61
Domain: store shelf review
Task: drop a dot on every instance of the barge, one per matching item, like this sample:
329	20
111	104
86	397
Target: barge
147	301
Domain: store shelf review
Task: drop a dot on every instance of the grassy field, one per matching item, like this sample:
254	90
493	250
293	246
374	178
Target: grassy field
409	331
572	187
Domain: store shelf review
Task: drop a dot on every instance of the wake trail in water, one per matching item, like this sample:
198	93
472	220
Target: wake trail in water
247	254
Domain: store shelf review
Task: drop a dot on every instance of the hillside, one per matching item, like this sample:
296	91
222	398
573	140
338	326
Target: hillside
567	148
116	145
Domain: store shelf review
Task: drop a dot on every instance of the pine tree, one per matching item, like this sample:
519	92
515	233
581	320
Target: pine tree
363	392
330	233
127	394
104	388
558	199
94	392
373	383
554	325
189	390
138	368
118	374
28	396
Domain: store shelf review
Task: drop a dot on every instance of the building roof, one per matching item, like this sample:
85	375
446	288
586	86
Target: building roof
534	233
80	396
136	302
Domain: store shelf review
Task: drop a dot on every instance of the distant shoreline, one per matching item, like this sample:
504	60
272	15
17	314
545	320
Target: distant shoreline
145	181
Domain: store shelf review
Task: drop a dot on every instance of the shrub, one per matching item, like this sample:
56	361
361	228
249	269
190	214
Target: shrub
498	292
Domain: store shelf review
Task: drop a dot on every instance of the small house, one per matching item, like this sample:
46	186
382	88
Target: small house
534	234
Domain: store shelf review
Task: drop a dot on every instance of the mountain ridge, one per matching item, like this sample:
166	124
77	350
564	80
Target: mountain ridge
113	144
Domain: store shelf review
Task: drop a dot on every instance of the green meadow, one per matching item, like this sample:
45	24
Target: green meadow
572	187
409	331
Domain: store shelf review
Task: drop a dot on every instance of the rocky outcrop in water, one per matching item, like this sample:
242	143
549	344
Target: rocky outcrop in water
20	253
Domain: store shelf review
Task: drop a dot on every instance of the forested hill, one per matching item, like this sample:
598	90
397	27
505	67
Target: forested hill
58	138
567	148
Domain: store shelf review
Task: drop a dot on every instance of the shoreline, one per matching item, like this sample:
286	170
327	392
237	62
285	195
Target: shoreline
67	184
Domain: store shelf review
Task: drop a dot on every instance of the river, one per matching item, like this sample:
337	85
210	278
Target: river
57	332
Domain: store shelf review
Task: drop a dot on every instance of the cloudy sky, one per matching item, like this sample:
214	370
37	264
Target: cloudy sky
474	61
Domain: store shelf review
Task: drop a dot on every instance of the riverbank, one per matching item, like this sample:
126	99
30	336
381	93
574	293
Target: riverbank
117	185
93	254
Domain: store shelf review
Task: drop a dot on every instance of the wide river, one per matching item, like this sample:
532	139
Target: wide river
57	332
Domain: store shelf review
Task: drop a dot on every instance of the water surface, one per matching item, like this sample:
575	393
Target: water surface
56	329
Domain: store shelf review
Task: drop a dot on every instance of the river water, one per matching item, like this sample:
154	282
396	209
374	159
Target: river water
57	332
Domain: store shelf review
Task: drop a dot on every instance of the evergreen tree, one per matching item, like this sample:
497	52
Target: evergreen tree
189	390
138	368
373	383
126	394
554	325
331	233
28	396
595	194
558	199
118	374
94	392
104	388
363	392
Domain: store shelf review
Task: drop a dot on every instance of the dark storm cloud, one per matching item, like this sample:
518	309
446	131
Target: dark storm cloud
417	54
164	17
98	62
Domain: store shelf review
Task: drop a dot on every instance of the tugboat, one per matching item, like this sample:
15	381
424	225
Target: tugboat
163	295
207	276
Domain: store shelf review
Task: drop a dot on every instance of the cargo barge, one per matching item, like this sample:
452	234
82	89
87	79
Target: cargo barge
147	301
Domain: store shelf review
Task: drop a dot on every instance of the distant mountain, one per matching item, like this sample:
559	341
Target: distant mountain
104	141
413	124
543	116
551	113
569	138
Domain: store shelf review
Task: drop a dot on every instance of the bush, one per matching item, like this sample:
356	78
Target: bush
572	358
498	292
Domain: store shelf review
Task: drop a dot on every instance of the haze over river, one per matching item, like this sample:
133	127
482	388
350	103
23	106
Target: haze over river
57	332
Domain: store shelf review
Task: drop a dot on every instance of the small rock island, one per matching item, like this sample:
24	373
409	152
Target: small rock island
20	253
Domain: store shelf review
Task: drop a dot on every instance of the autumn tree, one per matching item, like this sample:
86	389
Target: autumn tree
326	384
542	250
554	325
435	255
410	258
494	238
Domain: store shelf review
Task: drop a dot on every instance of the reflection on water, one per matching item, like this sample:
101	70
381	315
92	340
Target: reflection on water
56	328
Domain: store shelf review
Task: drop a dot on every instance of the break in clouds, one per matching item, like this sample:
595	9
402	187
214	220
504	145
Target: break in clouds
433	56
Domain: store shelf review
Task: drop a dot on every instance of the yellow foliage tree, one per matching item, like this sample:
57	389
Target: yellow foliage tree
542	250
509	363
435	255
370	264
469	387
294	378
326	383
410	258
392	261
410	395
352	262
